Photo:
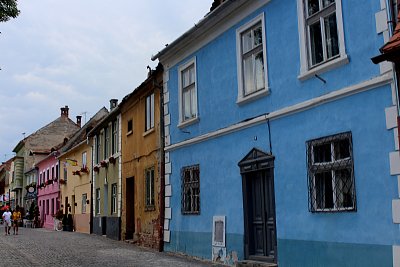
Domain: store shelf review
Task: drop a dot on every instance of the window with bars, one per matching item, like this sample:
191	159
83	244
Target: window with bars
331	173
322	30
190	190
149	189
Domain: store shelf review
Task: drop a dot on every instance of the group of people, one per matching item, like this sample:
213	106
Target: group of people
11	219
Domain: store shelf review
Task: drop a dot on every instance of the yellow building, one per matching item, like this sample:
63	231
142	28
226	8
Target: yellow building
75	175
142	220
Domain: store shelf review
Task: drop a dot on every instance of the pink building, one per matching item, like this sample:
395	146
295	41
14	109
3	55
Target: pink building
48	189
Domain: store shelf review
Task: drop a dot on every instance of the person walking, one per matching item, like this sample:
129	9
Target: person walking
16	217
7	220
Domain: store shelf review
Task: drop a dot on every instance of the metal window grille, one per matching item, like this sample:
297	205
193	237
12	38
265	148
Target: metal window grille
150	189
114	198
190	190
331	174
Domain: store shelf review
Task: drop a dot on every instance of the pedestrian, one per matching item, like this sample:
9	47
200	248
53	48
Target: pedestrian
16	216
7	220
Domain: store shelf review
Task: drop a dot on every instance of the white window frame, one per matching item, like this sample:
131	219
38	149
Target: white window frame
84	159
306	71
182	121
242	98
149	117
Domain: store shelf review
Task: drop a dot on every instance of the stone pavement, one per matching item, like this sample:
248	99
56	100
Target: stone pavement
41	247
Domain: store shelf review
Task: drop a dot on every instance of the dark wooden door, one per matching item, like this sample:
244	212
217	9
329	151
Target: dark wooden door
130	208
261	215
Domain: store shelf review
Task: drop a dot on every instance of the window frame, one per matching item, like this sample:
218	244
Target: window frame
98	201
149	189
106	149
114	137
332	166
114	198
84	159
182	121
307	71
242	98
84	199
149	112
192	185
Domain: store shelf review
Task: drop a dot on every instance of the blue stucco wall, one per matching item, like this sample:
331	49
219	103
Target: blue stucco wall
367	233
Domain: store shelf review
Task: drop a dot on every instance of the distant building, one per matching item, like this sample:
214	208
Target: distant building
142	176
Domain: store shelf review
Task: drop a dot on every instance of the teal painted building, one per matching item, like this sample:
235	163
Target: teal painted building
280	135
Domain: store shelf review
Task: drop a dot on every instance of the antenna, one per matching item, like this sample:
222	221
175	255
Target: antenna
84	115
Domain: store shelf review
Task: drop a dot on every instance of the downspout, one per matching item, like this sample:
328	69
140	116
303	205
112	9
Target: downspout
162	168
91	190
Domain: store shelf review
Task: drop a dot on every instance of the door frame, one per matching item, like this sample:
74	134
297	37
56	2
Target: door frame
256	161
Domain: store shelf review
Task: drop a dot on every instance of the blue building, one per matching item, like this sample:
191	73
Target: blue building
281	135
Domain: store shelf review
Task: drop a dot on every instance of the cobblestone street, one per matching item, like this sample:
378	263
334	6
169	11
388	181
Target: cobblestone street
41	247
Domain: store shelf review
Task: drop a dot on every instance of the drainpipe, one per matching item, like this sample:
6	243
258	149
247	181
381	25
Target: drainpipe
162	167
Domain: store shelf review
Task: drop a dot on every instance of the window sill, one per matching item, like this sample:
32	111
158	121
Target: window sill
150	208
188	122
148	132
129	133
332	64
254	96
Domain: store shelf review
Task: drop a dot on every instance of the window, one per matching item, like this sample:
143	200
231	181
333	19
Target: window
149	189
115	137
97	200
251	53
84	199
98	147
130	127
84	160
52	172
65	173
149	112
106	142
40	178
331	173
48	174
57	172
321	36
114	198
191	190
187	92
47	207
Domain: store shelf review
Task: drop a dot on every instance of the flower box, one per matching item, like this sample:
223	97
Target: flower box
96	168
62	181
85	169
76	173
103	163
111	160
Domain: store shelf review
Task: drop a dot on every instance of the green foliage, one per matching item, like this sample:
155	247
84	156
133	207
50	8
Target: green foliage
8	9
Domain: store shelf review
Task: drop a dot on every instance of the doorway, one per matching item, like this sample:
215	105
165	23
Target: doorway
130	208
257	170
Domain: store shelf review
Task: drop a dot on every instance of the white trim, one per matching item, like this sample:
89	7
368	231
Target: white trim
347	91
305	71
241	98
394	160
391	117
181	68
396	256
396	211
381	21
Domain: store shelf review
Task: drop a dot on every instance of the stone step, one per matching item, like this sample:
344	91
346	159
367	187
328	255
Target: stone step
249	263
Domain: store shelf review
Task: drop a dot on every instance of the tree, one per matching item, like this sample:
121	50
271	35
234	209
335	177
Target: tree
8	9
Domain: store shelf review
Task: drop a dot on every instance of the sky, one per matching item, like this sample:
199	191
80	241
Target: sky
80	54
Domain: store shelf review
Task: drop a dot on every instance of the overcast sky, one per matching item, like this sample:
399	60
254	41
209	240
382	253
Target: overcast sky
81	54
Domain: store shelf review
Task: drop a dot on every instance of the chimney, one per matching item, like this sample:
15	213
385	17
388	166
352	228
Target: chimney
64	112
79	120
113	103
